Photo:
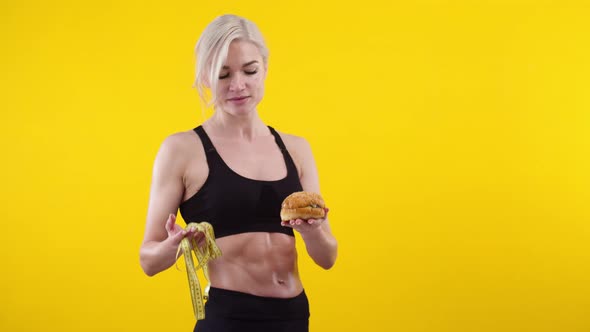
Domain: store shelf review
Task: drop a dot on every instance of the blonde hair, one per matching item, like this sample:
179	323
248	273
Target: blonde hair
212	48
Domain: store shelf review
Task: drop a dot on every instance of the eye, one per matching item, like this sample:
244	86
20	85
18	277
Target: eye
250	72
226	75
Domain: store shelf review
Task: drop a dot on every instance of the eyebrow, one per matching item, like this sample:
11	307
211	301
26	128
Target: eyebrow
244	65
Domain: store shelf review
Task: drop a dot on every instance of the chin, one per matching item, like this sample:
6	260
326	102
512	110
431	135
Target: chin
240	110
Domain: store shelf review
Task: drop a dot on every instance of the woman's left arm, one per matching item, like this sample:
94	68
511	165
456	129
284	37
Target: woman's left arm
320	243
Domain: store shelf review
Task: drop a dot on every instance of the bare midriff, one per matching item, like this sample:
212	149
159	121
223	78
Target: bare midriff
258	263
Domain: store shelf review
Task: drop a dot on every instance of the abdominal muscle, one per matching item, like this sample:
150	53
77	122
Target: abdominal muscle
257	263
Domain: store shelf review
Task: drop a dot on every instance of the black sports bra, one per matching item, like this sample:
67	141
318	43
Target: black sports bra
234	204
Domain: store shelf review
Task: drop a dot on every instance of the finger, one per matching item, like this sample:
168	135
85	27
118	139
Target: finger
176	238
188	232
170	222
201	240
198	236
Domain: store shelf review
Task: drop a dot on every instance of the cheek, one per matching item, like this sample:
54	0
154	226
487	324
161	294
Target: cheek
222	88
258	83
254	81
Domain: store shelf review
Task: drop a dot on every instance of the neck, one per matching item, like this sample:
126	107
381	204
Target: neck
231	126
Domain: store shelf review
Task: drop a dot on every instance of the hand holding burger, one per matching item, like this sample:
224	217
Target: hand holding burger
302	205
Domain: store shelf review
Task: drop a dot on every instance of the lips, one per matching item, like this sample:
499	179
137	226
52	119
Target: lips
239	100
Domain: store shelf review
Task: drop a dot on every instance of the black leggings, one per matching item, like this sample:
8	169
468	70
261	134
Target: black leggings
228	311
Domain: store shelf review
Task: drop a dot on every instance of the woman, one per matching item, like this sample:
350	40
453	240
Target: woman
234	171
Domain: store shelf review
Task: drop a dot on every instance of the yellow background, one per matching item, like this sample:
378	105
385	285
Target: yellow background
452	140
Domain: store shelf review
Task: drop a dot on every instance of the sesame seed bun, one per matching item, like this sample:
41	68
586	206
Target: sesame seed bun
303	205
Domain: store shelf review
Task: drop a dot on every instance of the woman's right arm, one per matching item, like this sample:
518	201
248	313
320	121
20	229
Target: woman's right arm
162	235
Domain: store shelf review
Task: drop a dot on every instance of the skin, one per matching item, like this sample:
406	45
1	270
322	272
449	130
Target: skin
259	263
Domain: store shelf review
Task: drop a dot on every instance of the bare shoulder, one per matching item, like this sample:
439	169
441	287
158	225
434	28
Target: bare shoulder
177	151
180	145
179	141
294	143
300	150
297	146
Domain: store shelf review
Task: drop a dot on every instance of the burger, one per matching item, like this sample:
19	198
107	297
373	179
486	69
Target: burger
303	205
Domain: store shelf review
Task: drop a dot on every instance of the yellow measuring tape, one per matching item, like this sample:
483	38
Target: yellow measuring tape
208	252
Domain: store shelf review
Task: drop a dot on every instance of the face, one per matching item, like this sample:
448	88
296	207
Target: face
241	80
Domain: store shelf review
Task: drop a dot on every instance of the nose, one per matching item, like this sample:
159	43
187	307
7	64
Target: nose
237	83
